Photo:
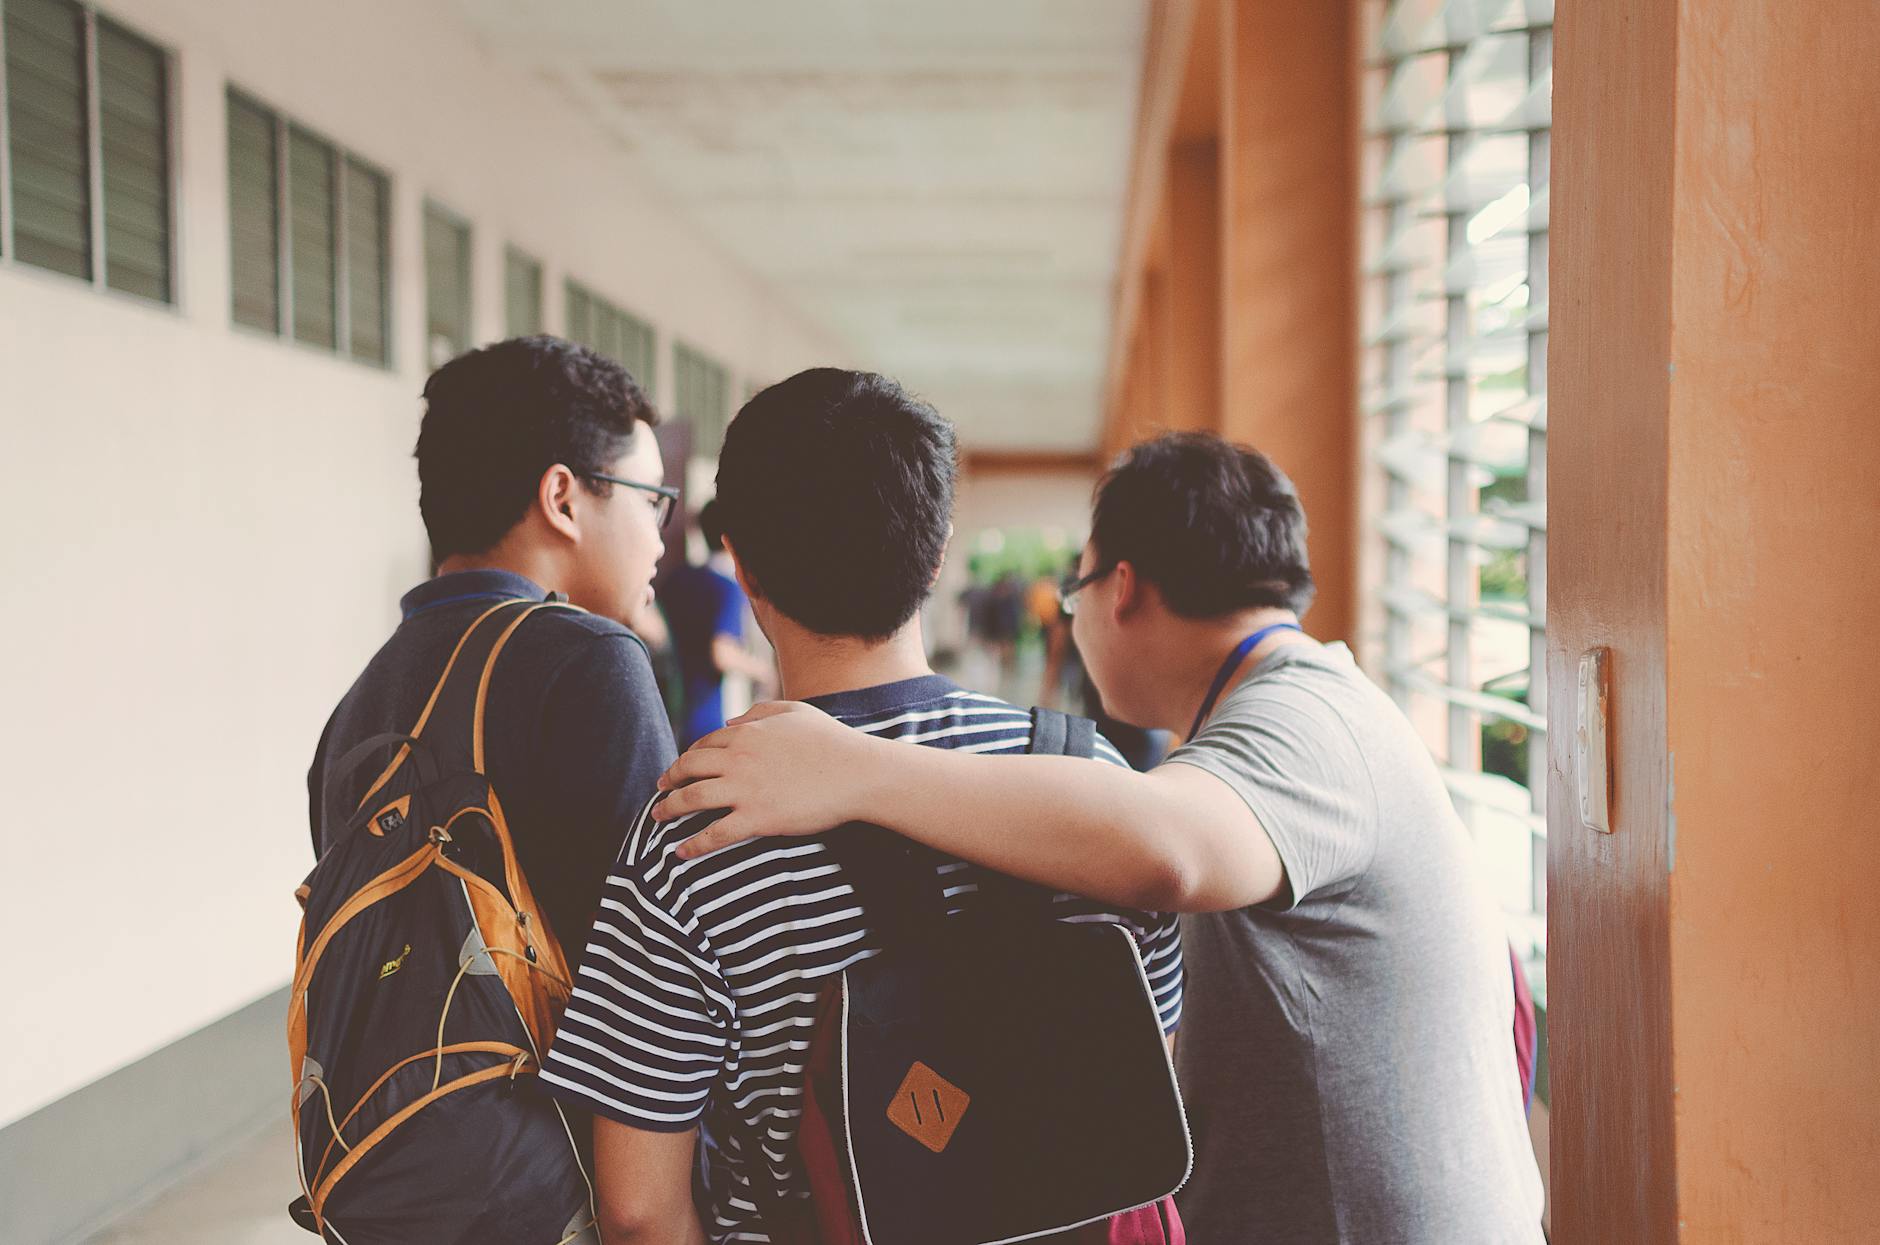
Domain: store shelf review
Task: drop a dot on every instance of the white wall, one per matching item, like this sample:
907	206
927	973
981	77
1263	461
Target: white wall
206	530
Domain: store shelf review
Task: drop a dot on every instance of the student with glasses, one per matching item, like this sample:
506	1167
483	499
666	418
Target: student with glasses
538	475
1346	1055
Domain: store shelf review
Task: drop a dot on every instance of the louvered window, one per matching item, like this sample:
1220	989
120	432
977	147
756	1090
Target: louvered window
620	335
522	294
254	215
309	236
86	150
446	284
701	397
366	223
1457	103
313	237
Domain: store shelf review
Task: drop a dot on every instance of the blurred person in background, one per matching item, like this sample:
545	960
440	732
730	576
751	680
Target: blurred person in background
705	608
1346	1056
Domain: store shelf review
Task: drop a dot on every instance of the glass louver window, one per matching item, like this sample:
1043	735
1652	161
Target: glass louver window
620	335
446	285
522	294
309	236
702	397
86	119
1458	96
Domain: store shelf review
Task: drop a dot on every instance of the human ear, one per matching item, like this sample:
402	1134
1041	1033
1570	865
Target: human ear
554	498
1130	592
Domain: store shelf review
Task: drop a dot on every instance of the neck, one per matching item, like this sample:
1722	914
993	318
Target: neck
816	665
529	563
1198	647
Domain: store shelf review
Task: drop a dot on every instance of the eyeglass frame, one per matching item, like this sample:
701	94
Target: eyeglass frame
669	496
1070	586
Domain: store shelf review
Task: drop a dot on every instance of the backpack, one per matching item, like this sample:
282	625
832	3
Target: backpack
426	990
989	1077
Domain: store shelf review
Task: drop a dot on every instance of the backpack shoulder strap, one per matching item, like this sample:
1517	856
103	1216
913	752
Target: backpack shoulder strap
1052	734
450	727
1056	734
894	881
452	723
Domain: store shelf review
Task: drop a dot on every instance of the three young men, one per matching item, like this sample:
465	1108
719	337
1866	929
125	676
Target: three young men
1346	1056
1346	1060
695	1000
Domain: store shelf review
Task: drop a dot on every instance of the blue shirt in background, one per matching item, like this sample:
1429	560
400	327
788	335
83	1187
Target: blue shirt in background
702	604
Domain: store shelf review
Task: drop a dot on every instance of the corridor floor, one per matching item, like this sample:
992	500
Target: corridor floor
239	1200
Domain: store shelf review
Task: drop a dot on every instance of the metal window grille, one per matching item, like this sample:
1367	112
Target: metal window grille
522	294
85	148
309	236
701	397
620	335
446	284
1458	96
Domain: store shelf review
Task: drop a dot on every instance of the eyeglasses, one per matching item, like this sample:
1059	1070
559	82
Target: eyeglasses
1072	585
666	499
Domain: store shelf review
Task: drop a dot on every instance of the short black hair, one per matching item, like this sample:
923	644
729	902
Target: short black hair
496	418
836	491
1215	526
711	525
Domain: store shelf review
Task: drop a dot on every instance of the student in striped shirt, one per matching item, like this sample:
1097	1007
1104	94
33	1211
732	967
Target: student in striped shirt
693	1004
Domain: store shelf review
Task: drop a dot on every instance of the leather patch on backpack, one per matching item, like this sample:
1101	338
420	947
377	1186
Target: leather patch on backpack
928	1107
391	818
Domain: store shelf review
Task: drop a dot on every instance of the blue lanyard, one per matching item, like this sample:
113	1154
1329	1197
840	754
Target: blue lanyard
1232	664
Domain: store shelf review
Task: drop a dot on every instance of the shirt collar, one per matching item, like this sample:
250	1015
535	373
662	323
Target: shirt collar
864	701
467	586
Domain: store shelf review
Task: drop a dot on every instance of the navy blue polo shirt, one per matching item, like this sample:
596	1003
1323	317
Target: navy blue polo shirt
576	732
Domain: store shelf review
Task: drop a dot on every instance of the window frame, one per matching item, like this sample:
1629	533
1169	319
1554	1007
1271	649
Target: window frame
94	158
283	127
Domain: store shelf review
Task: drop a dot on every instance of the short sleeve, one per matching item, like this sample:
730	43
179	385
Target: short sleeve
644	1038
1294	761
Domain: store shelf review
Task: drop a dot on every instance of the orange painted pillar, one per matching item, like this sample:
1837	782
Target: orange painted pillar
1289	211
1150	415
1713	458
1193	285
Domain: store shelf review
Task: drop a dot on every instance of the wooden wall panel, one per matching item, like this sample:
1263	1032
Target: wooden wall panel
1608	956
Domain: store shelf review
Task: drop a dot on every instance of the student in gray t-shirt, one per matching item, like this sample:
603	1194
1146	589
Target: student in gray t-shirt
1347	1055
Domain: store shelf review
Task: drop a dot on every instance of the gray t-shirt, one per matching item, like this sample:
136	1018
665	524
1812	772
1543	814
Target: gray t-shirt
1347	1054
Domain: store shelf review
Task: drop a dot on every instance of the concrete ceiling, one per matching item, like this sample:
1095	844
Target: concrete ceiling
940	183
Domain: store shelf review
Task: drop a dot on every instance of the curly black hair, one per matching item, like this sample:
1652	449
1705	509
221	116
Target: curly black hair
496	418
1216	526
835	489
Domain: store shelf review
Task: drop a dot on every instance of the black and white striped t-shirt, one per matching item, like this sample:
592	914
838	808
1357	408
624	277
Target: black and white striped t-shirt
695	999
